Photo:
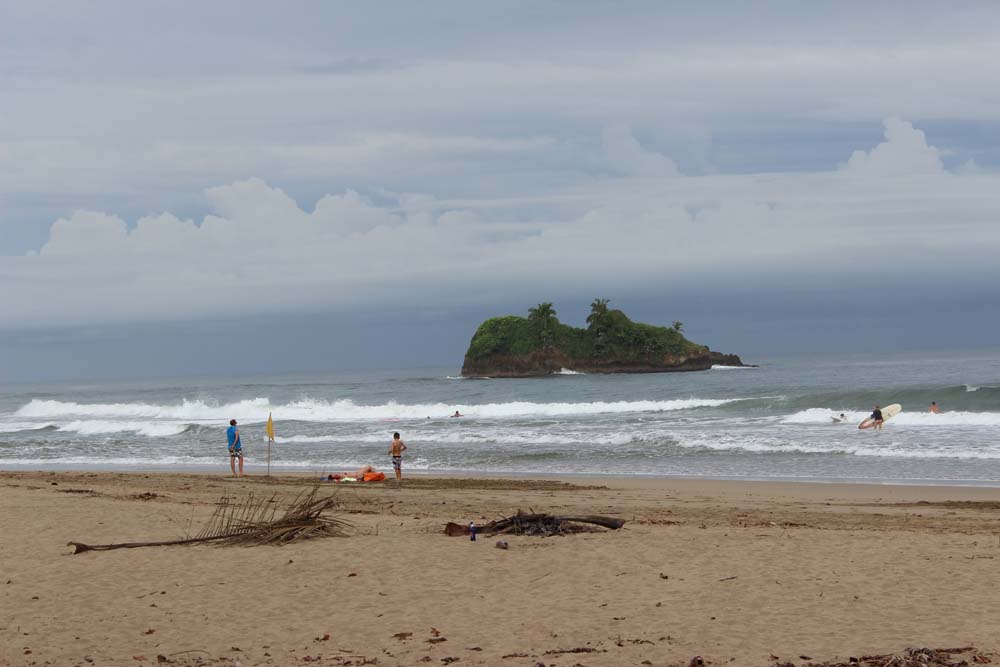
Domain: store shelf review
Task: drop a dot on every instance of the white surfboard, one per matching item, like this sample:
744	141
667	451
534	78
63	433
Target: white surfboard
888	412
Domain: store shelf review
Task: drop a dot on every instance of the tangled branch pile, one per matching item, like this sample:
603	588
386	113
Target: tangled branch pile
255	520
911	657
538	524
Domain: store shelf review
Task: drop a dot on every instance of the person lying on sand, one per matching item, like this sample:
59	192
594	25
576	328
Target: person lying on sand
358	474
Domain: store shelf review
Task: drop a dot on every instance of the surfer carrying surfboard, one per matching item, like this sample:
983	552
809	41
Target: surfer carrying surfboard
876	418
880	415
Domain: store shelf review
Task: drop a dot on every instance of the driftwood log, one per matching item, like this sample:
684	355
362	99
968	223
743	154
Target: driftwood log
536	524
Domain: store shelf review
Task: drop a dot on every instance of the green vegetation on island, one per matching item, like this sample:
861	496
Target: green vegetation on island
540	344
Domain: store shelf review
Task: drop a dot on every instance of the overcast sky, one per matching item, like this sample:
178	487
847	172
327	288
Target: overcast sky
358	184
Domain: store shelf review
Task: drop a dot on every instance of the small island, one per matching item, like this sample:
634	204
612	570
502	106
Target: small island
540	344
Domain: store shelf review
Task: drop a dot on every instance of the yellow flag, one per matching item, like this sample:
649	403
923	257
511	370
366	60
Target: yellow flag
270	427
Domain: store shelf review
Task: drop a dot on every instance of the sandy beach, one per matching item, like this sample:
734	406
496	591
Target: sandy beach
742	573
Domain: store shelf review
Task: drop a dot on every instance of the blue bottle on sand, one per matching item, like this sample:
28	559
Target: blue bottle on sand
472	531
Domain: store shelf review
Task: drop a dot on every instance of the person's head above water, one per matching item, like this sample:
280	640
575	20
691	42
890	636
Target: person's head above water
395	436
232	422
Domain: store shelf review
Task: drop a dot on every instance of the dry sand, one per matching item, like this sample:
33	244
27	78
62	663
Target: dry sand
738	572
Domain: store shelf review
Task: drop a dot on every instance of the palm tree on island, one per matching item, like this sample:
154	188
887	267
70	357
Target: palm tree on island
598	311
543	317
597	322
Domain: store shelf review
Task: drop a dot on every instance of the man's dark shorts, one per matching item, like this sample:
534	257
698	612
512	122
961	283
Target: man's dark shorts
397	462
236	452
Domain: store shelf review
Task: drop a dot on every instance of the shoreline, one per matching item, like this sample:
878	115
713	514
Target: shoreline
703	486
256	470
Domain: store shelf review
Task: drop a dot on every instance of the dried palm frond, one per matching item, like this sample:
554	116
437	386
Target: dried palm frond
254	520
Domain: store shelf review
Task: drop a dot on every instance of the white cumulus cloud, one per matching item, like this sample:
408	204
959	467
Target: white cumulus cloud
626	155
904	151
260	250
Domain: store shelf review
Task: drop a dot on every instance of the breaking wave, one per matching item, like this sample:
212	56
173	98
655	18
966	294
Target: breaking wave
256	410
101	426
767	445
474	438
186	410
15	427
955	418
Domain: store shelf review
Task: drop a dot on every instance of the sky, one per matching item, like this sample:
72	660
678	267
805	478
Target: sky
257	187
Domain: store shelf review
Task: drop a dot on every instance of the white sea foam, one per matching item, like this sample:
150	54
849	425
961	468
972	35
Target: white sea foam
102	426
343	410
771	445
568	371
191	411
951	418
824	415
973	387
499	437
723	367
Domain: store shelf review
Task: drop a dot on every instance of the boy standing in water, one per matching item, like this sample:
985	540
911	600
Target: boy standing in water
396	451
235	447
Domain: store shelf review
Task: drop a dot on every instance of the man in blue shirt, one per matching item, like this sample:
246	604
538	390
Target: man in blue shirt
235	447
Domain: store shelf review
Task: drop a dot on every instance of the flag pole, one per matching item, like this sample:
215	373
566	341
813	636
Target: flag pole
270	440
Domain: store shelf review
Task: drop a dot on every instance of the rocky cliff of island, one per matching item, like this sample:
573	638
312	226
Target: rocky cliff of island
540	344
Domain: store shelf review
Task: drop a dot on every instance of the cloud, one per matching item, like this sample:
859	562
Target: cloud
259	250
84	232
904	151
970	166
489	101
628	157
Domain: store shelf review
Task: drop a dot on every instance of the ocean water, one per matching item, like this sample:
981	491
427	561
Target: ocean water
772	422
